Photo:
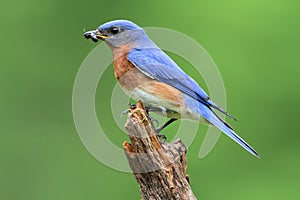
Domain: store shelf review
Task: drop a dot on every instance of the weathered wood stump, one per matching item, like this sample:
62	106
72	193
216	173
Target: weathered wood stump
159	168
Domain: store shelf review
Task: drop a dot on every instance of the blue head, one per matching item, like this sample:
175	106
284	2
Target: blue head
116	26
121	32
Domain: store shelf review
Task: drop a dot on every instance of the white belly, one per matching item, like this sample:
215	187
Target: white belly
165	108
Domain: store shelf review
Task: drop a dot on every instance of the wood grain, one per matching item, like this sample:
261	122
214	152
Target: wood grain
160	169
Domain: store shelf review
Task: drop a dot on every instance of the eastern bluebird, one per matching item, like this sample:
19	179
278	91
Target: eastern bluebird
145	72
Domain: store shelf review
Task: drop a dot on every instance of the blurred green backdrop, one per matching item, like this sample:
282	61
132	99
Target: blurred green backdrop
254	43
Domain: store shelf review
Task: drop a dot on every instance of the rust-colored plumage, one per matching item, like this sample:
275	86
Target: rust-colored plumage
131	78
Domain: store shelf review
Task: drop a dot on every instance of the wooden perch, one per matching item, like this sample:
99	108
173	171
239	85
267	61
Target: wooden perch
160	169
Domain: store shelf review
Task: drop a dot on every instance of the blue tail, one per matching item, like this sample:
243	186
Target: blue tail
224	127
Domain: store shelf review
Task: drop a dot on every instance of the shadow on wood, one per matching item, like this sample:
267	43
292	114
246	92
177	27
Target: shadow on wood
160	169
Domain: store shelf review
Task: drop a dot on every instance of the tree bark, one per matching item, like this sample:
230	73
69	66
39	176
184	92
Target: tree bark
159	168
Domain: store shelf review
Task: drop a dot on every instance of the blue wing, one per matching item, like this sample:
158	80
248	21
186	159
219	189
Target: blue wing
215	120
156	64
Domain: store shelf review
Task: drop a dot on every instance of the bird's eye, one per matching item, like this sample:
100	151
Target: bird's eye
115	30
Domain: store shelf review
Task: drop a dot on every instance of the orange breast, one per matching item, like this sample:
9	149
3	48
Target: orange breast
122	66
131	78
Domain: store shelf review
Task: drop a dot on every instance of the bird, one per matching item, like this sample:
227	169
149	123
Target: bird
146	72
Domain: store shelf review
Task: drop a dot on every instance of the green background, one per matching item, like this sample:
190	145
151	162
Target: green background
255	44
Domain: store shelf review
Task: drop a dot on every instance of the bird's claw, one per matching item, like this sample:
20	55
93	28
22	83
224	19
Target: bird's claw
162	138
152	119
159	129
132	106
125	112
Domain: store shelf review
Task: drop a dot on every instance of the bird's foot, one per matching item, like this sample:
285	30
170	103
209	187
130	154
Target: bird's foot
132	106
152	119
158	130
148	109
162	138
125	112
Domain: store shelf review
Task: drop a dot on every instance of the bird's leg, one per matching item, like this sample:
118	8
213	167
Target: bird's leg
131	105
162	137
148	109
152	119
125	112
165	125
158	109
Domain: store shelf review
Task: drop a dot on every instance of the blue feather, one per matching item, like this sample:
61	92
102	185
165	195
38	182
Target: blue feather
220	124
155	63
